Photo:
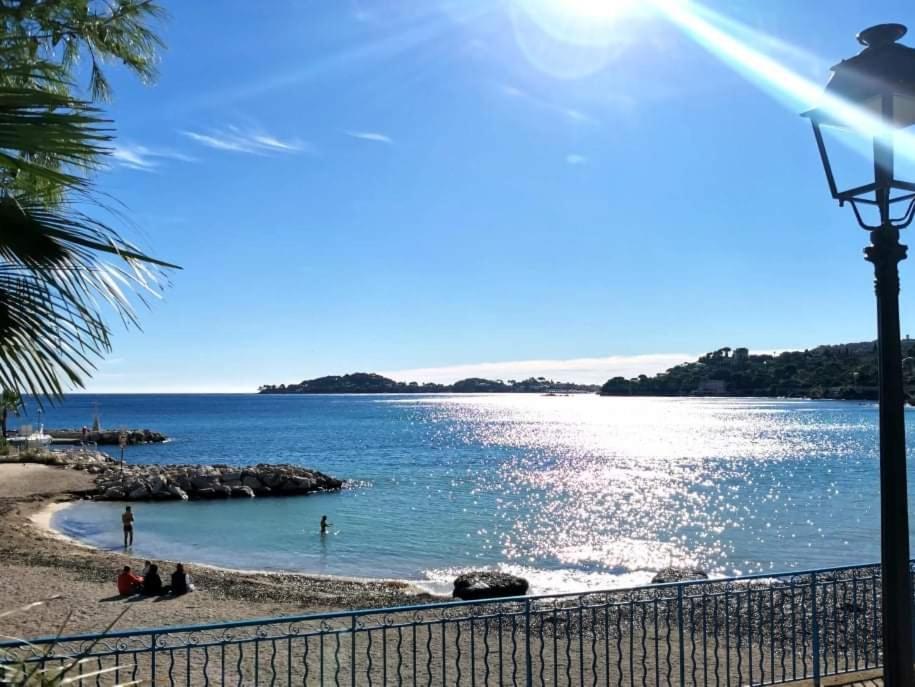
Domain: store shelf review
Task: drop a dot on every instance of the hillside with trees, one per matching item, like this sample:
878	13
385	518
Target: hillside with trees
844	371
370	383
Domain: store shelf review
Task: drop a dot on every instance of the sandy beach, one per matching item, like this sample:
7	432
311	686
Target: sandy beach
36	563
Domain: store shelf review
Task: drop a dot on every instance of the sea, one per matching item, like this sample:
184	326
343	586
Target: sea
572	492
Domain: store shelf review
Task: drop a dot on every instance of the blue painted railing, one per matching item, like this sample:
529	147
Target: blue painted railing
754	630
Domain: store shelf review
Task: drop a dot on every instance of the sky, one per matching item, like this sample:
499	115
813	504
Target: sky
434	190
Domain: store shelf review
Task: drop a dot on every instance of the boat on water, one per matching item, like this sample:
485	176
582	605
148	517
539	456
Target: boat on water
33	439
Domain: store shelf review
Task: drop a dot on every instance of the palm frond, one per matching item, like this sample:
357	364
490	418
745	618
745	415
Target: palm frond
42	134
55	287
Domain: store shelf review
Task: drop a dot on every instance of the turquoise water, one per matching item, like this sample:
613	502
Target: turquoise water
571	491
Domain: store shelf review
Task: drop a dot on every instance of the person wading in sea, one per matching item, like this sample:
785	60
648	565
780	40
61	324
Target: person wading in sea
127	522
325	524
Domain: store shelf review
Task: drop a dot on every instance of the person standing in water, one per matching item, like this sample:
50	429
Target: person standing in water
325	524
127	522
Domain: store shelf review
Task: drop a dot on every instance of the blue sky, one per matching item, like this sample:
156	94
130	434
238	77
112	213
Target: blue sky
407	187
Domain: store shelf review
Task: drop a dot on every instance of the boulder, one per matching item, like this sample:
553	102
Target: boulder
204	481
675	574
253	482
177	492
272	479
204	494
114	494
488	585
243	492
140	492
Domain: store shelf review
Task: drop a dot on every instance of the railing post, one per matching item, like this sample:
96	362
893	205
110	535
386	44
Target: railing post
815	625
529	671
152	660
681	642
352	651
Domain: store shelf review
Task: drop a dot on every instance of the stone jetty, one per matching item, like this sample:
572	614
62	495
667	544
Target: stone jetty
114	482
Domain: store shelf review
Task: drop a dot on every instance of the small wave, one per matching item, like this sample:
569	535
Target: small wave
542	580
358	484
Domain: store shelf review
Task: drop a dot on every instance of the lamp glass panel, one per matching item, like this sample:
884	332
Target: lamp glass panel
904	158
903	110
851	156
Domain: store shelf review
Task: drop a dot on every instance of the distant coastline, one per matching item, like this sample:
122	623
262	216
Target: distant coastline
834	372
370	383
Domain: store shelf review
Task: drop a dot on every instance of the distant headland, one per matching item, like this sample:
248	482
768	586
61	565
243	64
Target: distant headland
843	371
370	383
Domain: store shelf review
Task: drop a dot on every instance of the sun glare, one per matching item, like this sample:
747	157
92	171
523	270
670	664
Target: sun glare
574	38
595	9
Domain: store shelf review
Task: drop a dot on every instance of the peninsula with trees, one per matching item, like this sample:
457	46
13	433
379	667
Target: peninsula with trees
370	383
844	371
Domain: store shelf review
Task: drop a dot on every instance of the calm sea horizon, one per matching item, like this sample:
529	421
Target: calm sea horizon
571	491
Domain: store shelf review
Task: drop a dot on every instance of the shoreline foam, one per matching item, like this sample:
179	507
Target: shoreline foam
438	582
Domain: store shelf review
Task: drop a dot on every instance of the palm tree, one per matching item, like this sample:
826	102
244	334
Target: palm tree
61	264
10	402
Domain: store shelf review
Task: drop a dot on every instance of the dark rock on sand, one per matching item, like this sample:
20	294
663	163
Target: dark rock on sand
674	574
488	585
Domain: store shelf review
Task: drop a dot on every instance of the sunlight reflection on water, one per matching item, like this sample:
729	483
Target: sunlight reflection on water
636	484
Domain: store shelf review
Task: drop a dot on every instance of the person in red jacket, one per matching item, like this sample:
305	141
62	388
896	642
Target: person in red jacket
128	582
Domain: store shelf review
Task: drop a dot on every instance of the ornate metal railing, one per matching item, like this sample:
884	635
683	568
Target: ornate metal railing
755	630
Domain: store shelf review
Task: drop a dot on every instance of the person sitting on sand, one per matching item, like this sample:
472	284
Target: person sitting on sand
127	522
128	582
152	583
181	581
146	566
325	524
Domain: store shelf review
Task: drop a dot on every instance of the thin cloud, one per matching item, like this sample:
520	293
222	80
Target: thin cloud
576	159
578	370
373	136
570	113
236	140
143	158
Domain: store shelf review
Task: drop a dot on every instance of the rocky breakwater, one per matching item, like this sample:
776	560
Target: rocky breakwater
108	437
197	482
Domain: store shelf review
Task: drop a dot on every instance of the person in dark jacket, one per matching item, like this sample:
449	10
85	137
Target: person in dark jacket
181	581
152	583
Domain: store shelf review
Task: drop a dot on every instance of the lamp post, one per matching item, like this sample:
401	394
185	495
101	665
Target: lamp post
872	95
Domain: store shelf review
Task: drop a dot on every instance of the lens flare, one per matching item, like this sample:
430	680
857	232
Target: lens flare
717	35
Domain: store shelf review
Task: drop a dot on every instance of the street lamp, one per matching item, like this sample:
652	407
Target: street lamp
872	96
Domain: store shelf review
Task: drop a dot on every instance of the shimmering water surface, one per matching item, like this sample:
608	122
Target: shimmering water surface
571	491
